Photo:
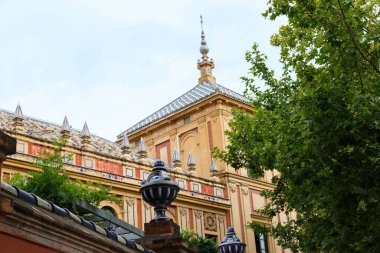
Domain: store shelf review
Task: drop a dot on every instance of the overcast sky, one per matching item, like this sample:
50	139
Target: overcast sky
114	62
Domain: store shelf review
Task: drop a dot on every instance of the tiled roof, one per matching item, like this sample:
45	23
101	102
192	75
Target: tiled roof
195	95
49	132
51	207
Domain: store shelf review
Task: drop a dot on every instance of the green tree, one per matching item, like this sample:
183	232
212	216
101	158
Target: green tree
204	244
51	183
318	124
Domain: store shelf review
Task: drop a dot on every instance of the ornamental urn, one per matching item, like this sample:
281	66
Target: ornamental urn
158	190
231	244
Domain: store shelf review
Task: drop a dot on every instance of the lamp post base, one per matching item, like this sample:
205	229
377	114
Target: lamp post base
163	236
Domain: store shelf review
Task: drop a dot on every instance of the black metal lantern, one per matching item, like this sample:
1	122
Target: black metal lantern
231	244
159	190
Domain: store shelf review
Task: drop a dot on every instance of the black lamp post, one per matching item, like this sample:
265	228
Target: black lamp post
231	244
159	190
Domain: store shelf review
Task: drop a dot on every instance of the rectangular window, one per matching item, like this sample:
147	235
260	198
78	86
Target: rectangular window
68	158
20	147
128	172
186	120
195	187
218	192
261	243
145	175
181	184
88	163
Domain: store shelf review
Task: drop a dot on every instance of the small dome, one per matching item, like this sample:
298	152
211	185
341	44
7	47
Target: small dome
203	49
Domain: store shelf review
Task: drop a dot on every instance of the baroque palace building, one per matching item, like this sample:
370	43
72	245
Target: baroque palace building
183	133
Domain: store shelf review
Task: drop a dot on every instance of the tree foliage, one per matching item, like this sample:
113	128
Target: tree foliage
51	183
318	125
205	245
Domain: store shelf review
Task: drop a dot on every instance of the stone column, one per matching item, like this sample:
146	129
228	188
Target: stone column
7	147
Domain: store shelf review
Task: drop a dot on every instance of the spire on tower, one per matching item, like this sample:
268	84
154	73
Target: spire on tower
204	48
204	64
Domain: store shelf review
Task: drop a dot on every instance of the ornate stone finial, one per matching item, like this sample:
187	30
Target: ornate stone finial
18	120
18	112
65	128
191	163
125	145
213	167
176	159
204	64
159	191
142	152
231	243
213	170
85	137
85	131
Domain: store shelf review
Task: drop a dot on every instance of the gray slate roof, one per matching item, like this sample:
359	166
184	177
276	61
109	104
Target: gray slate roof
195	95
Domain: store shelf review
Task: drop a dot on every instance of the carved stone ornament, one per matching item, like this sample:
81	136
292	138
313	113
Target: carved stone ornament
130	201
244	190
221	219
183	211
210	221
232	188
198	214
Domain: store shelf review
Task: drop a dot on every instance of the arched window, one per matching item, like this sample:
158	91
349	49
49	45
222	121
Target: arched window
108	225
109	210
261	243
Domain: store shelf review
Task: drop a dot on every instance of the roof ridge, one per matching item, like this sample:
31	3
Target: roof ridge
196	94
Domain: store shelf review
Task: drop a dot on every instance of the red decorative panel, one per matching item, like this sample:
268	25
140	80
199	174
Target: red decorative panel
188	185
78	160
138	173
34	150
228	218
191	218
225	193
109	167
207	189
